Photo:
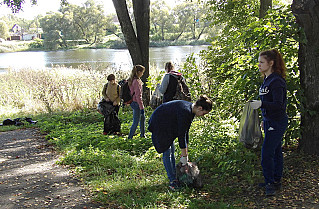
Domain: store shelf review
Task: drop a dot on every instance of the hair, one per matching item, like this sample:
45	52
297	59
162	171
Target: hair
169	66
204	102
135	70
279	64
111	77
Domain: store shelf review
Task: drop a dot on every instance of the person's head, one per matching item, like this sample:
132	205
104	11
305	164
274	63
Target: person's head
271	61
202	106
169	67
111	78
137	72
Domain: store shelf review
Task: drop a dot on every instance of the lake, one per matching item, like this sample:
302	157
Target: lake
96	58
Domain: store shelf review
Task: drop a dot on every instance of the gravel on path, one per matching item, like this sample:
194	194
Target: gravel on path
29	177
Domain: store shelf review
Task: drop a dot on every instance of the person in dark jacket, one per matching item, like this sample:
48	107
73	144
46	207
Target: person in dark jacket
169	82
172	120
273	102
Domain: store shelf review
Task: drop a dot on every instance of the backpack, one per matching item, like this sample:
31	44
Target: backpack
182	91
125	94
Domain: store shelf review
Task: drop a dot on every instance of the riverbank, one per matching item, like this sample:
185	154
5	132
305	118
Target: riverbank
37	45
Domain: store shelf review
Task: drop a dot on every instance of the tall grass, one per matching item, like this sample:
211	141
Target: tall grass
57	89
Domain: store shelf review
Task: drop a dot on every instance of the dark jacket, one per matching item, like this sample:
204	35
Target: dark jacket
273	94
169	121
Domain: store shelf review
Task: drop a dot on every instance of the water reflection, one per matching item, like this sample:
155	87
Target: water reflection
97	58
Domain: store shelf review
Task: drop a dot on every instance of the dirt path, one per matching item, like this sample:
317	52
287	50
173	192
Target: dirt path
29	177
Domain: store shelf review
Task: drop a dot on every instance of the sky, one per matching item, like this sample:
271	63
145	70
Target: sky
44	6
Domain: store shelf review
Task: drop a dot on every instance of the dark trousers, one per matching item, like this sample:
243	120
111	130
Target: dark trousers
271	153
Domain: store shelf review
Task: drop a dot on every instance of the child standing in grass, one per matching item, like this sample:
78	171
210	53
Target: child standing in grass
111	95
172	120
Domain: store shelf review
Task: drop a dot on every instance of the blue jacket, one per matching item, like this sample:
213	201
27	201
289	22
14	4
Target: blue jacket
273	94
169	121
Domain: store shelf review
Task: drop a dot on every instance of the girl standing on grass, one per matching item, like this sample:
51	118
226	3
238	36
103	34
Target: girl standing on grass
136	87
273	102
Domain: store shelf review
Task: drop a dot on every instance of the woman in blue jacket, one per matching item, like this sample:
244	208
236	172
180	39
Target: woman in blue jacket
172	120
273	102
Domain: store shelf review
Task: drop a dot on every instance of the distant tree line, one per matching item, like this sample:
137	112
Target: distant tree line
88	24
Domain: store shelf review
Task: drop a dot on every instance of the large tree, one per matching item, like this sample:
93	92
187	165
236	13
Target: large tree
137	41
306	12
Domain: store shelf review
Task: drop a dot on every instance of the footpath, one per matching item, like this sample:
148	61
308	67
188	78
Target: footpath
30	178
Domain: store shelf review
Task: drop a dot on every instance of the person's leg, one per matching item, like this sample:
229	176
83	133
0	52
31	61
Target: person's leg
136	118
278	160
142	125
271	142
169	163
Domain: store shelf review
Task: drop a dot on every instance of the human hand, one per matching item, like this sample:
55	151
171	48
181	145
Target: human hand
184	160
142	111
262	125
255	104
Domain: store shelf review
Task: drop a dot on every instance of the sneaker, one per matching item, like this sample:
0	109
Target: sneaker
270	190
277	185
174	185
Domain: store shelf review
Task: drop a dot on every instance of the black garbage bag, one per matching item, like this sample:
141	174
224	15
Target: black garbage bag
105	108
111	121
249	128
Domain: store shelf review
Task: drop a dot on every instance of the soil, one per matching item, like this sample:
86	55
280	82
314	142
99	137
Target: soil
30	177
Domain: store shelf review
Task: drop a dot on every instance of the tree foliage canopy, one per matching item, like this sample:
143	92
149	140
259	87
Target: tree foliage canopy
231	72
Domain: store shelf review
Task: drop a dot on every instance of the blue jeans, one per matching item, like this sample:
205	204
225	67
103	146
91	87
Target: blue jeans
271	153
137	117
169	162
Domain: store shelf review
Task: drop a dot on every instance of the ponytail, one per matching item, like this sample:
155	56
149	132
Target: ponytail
135	70
279	66
204	102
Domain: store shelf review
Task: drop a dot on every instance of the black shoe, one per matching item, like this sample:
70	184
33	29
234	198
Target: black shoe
277	185
270	190
175	185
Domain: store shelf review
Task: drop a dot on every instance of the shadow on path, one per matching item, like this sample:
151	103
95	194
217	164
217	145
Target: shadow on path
29	177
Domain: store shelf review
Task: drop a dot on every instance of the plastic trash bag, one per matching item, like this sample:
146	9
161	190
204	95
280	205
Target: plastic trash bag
189	175
249	128
156	99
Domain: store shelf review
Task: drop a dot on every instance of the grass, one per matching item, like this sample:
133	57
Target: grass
129	173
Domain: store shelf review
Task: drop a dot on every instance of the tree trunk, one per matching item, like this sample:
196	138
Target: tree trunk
306	12
137	43
264	6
